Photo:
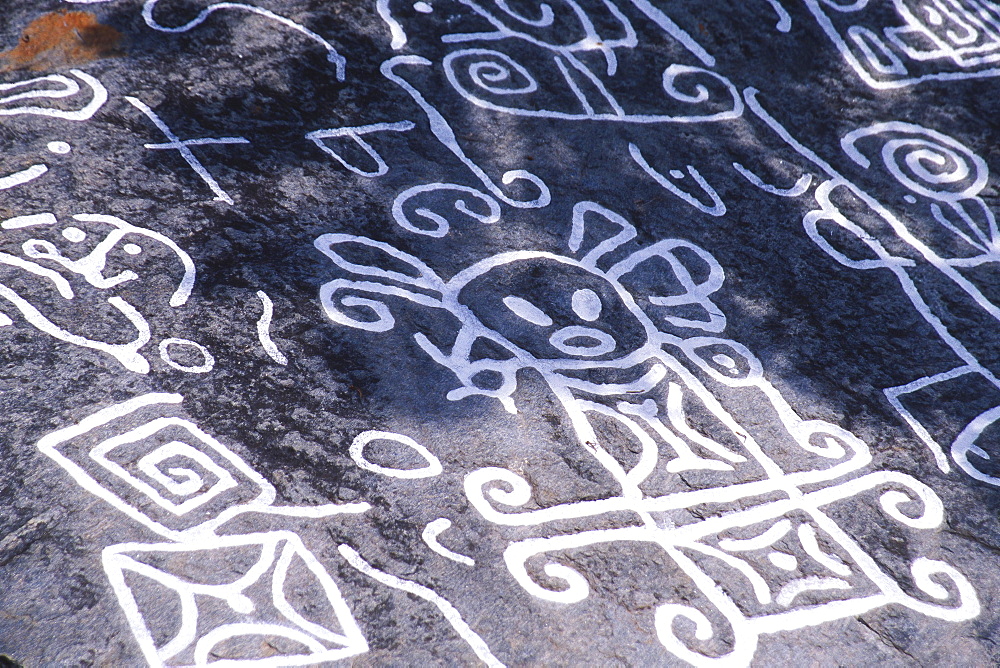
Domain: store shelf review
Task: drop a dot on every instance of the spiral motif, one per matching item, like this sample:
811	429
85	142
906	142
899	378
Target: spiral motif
929	511
491	71
666	614
332	302
439	224
695	90
178	480
516	557
670	76
924	161
964	604
482	483
828	440
965	444
178	477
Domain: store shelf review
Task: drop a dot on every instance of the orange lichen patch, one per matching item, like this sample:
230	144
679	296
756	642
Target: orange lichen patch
61	39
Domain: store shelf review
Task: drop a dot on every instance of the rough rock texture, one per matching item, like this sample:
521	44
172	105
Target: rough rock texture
588	332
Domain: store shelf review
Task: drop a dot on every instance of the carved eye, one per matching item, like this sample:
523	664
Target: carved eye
74	234
527	311
587	304
726	361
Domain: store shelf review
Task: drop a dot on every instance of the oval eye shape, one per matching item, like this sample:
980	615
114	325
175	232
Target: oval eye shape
74	234
726	361
527	311
587	304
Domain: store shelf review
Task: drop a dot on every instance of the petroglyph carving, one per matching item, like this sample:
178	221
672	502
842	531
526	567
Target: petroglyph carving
645	361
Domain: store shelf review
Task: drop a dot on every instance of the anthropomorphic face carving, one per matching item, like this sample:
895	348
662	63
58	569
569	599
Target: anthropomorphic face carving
552	308
60	275
550	312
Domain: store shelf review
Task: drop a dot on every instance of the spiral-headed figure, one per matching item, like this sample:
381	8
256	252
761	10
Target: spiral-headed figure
930	226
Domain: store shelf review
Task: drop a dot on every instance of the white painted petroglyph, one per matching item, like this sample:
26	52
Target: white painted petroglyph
204	453
659	18
24	176
181	478
650	361
281	556
443	132
18	222
396	31
494	73
784	20
893	394
207	363
943	40
800	187
449	611
184	490
338	61
494	80
183	148
38	89
43	258
91	267
356	134
946	176
430	535
565	351
717	207
441	226
432	468
264	330
509	23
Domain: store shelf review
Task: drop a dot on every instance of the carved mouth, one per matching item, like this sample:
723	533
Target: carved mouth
582	341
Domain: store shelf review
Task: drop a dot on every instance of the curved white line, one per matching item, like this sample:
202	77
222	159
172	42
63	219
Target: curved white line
332	56
788	592
264	327
430	536
784	20
799	188
395	29
453	616
766	539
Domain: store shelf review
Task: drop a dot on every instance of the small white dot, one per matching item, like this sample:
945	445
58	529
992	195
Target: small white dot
423	7
677	174
131	249
724	361
910	198
60	147
74	234
587	304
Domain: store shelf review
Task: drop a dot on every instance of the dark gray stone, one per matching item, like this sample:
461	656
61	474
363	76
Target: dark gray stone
767	436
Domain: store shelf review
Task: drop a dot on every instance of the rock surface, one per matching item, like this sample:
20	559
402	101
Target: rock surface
588	332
